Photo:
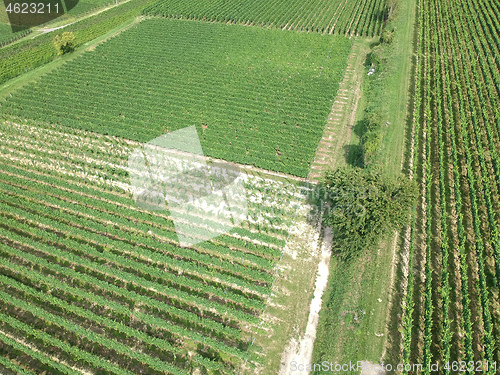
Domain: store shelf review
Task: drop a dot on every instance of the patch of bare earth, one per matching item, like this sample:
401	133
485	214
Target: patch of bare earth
301	351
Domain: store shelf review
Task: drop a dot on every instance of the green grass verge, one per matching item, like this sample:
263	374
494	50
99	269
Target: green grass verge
352	320
388	89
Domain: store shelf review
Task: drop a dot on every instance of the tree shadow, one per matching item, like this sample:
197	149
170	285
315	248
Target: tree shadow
354	155
354	152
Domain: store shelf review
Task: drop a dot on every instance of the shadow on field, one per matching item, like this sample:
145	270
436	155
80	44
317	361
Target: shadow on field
354	152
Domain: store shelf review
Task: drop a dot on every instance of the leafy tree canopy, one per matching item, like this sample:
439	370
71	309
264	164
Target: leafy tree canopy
64	43
362	206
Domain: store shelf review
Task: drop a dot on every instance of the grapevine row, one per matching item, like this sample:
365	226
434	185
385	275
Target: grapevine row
315	16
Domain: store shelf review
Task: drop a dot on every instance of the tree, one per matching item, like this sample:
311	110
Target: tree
362	206
64	43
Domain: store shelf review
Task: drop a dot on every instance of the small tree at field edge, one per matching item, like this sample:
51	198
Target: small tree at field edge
64	43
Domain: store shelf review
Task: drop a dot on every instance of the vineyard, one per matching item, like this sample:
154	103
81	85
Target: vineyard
256	96
452	307
100	284
86	6
361	17
30	53
95	281
7	36
92	282
79	8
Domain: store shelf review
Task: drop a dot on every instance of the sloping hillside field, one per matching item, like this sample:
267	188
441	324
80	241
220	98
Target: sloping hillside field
90	282
256	96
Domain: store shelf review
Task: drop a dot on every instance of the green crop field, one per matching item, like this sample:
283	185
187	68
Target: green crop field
6	34
85	6
99	276
256	96
458	131
362	17
83	9
366	136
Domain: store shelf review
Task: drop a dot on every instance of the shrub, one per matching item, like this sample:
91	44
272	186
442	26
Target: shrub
386	36
64	43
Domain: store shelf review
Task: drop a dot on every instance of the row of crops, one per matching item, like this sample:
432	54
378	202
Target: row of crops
90	283
7	36
361	17
86	6
451	311
256	96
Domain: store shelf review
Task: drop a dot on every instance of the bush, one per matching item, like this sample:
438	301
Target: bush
371	135
373	58
386	36
371	142
64	43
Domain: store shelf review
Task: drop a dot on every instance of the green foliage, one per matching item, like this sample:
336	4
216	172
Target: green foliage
373	58
87	6
386	36
64	43
363	206
371	142
326	16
